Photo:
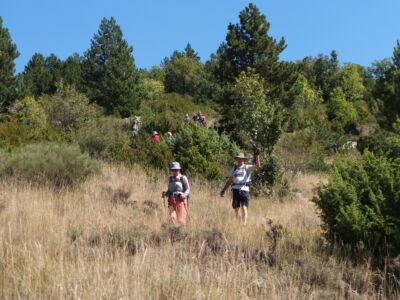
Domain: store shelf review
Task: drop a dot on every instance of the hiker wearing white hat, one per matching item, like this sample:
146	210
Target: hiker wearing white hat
178	194
239	179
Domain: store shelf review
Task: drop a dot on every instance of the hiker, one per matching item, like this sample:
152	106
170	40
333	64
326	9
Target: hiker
186	119
168	135
155	137
135	126
239	179
178	195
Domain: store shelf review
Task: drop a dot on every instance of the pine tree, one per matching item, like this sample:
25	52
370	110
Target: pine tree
109	71
8	53
72	71
37	77
55	67
248	45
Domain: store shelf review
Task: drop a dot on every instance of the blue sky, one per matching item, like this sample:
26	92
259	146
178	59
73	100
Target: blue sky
361	31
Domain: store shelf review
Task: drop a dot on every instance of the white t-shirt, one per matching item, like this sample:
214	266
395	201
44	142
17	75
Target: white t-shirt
241	175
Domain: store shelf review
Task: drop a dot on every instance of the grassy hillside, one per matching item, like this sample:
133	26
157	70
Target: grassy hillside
108	239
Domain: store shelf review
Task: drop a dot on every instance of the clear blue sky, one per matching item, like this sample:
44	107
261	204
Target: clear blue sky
361	31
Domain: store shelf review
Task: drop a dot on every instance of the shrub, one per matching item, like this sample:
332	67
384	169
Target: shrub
360	206
382	143
149	154
56	164
106	139
202	151
69	110
301	151
266	176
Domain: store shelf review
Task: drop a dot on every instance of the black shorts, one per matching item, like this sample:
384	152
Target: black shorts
240	198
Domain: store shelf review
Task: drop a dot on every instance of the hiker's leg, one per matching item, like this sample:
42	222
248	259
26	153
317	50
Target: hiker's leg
181	212
244	214
237	214
172	211
244	204
236	203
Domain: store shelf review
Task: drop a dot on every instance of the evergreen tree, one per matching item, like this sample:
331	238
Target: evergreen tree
184	73
55	67
249	45
189	52
72	71
8	53
36	76
326	73
109	70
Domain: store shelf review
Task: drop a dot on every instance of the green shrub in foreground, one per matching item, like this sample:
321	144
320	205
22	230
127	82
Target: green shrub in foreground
360	206
57	164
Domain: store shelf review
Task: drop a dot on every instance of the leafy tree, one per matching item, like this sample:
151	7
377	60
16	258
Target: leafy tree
352	82
253	118
109	70
36	76
341	111
8	53
306	108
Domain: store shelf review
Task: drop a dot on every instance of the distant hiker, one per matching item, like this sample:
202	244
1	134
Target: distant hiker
239	179
186	119
135	126
168	135
177	193
155	137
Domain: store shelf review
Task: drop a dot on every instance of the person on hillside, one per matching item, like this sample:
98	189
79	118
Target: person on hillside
178	193
135	126
168	135
186	119
155	137
239	178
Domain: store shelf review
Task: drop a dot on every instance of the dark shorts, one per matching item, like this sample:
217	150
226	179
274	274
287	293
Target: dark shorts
240	198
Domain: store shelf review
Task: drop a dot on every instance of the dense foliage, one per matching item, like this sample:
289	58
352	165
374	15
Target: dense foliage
361	203
49	163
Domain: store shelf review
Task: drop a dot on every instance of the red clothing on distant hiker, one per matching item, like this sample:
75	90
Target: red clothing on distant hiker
155	138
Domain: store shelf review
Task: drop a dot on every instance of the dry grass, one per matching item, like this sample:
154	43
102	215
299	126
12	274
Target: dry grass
108	240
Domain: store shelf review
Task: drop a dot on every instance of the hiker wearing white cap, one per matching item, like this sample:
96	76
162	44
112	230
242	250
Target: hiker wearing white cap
178	194
239	179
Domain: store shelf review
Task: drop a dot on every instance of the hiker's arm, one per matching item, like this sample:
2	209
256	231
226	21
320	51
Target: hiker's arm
257	162
186	187
227	185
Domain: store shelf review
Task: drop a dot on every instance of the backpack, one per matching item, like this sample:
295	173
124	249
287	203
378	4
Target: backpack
181	181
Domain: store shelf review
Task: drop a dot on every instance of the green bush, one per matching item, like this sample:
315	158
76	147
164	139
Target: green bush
360	206
68	110
49	163
202	151
107	139
149	154
382	143
266	176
